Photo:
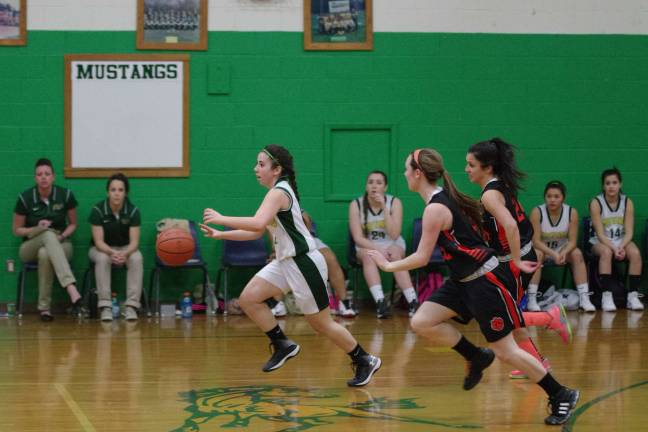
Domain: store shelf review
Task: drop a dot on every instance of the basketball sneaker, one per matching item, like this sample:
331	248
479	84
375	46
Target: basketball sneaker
633	301
344	311
562	406
106	314
584	302
475	367
279	310
364	369
607	302
412	307
283	350
559	322
382	309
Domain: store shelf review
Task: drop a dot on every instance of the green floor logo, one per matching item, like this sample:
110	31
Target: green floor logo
292	409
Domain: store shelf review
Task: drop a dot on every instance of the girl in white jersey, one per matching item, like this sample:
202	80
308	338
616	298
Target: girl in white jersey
555	232
375	222
298	267
612	216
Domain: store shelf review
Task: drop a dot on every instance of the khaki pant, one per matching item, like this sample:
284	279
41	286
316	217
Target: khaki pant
134	276
52	257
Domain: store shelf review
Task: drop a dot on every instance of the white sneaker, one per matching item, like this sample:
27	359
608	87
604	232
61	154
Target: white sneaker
633	301
106	314
343	311
532	302
279	310
584	302
130	314
607	302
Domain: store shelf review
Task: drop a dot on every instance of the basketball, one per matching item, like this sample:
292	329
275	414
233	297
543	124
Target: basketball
174	246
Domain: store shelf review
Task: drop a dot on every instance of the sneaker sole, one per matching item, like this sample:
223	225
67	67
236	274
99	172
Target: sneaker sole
373	371
290	355
517	376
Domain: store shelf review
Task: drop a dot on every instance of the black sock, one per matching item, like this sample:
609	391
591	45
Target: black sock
276	334
356	353
466	348
635	281
606	282
550	385
271	302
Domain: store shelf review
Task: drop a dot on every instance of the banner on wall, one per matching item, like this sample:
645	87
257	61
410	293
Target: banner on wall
126	113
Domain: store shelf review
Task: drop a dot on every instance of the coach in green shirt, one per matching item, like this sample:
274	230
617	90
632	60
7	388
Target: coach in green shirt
45	216
115	235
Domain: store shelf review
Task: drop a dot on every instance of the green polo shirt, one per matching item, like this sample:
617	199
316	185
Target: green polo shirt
55	209
115	227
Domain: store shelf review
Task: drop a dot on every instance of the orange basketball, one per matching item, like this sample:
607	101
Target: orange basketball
174	246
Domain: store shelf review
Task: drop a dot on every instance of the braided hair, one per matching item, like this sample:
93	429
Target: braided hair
281	157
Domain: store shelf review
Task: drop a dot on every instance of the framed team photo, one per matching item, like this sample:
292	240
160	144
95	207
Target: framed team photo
172	24
13	22
331	25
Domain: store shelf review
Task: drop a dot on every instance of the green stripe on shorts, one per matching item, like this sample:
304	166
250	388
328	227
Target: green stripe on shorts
314	279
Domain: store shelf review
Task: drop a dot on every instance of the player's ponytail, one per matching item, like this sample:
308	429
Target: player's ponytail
500	155
281	157
430	163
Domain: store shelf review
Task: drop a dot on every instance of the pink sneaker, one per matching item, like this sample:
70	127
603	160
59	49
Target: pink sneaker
518	374
559	323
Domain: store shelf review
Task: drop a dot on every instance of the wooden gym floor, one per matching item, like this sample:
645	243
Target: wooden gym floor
204	375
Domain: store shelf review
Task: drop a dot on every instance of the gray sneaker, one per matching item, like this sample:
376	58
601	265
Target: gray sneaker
106	314
130	314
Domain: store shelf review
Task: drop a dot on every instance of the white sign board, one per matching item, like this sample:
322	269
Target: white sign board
126	113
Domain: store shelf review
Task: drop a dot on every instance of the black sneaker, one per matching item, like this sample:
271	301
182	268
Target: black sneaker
382	309
476	366
283	350
562	406
364	370
412	308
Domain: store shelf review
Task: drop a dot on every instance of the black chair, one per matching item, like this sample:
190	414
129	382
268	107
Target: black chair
196	262
89	292
355	268
436	260
20	290
240	254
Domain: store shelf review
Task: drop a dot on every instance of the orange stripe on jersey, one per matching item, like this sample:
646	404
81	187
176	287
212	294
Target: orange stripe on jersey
501	236
509	303
518	280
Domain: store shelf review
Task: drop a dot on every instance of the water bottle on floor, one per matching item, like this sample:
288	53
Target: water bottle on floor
186	306
115	306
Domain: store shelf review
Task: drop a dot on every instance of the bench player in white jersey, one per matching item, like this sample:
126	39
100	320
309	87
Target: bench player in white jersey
612	216
375	222
555	232
298	267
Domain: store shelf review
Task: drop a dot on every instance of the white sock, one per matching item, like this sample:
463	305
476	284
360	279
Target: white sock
532	289
583	288
377	292
410	294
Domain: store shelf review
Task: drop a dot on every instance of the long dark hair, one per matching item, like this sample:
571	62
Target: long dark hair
430	162
500	155
365	200
281	157
611	171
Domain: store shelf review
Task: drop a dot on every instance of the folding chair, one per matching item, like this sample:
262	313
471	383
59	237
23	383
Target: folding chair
20	290
240	254
89	292
196	262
